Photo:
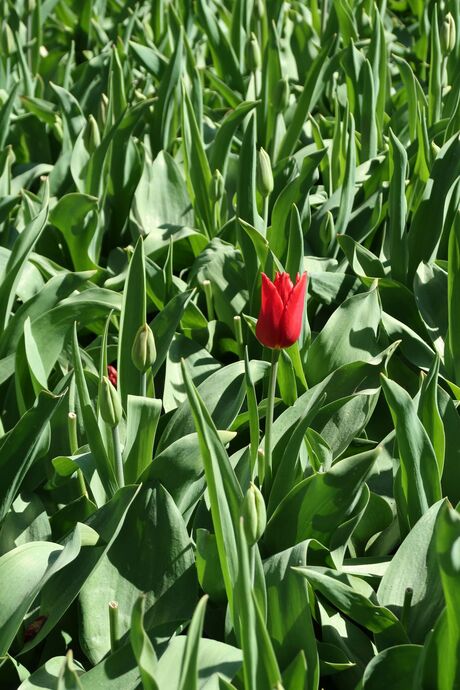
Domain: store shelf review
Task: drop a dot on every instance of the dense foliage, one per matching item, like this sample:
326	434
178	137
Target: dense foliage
155	159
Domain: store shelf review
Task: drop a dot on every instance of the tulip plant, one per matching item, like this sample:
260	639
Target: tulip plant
229	345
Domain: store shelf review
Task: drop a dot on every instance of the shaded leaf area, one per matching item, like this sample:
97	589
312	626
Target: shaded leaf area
155	159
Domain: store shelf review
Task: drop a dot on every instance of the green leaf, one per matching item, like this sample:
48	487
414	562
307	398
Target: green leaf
143	649
353	603
70	215
415	566
423	243
419	474
350	334
16	264
289	618
225	493
165	325
133	313
428	412
221	145
260	666
312	89
151	553
447	540
163	116
142	419
398	209
99	532
19	448
189	669
453	278
197	167
394	666
316	507
68	677
105	468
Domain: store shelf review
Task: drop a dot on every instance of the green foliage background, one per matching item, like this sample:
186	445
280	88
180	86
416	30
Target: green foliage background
129	176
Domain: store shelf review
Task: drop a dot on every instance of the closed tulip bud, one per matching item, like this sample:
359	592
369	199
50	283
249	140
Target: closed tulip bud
103	109
252	53
143	352
281	95
448	34
254	514
91	136
264	173
110	403
365	19
259	8
217	190
435	149
327	229
7	45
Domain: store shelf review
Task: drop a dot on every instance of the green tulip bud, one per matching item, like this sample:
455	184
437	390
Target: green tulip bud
259	8
281	95
252	53
110	403
448	34
327	229
143	352
365	20
264	173
91	136
217	189
103	109
254	514
8	46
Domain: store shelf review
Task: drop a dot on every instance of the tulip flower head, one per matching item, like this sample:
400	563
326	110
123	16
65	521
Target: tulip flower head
281	310
112	374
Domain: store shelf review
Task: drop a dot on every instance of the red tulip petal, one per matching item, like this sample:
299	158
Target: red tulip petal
292	319
271	311
283	284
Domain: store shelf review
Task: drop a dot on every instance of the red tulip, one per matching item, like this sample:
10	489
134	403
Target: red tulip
112	375
281	311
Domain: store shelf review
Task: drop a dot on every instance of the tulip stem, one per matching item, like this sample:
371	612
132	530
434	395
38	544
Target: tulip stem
239	335
208	294
144	384
114	625
118	459
269	415
73	443
266	211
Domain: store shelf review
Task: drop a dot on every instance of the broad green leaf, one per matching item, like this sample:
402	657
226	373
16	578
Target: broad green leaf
419	473
422	244
350	334
72	216
63	587
289	619
20	446
415	566
395	666
352	602
161	199
16	264
316	507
